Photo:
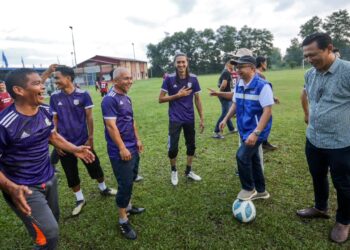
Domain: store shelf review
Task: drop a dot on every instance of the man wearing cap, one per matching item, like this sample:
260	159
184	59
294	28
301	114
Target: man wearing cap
252	103
5	98
225	84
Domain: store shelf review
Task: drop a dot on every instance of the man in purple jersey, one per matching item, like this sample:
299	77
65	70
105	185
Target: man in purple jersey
72	112
123	145
179	89
26	176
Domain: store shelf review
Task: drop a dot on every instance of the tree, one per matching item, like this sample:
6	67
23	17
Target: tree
226	38
311	26
275	58
257	40
337	26
294	54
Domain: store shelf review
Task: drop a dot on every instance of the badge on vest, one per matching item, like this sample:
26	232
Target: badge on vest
76	101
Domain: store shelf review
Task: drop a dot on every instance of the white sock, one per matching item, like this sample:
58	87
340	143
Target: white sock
102	186
79	195
129	207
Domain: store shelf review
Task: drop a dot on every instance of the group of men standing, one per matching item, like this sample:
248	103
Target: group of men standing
27	127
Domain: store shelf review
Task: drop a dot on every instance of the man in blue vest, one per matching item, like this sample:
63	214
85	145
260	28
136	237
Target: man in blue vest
252	103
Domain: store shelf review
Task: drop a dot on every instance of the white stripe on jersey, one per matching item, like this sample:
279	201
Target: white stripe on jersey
87	107
6	116
112	93
10	121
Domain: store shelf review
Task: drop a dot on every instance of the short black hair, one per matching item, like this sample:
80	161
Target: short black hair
260	60
66	71
19	78
322	40
334	51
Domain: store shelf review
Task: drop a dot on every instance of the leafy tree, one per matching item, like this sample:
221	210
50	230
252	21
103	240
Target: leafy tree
311	26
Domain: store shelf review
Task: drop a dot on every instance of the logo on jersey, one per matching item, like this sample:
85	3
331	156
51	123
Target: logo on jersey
48	122
76	101
189	85
24	135
175	86
59	104
121	102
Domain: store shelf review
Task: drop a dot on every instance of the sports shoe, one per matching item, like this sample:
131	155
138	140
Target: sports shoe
174	178
138	178
268	146
127	231
218	136
193	176
109	192
261	195
233	131
79	206
135	210
245	195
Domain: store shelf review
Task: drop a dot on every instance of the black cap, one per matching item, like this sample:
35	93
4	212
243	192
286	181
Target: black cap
245	60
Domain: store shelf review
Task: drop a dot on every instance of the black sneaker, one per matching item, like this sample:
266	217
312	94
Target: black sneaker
135	210
109	192
268	146
127	230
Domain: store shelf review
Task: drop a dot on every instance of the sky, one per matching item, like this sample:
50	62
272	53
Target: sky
39	30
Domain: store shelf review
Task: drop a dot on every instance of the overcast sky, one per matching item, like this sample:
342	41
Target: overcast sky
39	30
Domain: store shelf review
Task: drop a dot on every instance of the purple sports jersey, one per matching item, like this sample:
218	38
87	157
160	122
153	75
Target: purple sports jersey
181	110
24	146
70	110
119	108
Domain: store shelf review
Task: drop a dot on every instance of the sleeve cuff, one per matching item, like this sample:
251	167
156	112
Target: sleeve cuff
164	90
110	117
88	107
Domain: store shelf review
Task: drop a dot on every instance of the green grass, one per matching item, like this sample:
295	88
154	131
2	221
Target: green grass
195	215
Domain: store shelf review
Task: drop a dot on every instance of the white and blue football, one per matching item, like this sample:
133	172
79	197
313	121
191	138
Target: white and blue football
244	211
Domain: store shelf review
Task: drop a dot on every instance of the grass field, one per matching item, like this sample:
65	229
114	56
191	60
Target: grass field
195	215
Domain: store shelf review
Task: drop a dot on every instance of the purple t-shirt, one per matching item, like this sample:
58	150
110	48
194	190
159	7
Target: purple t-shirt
181	110
119	108
70	111
24	146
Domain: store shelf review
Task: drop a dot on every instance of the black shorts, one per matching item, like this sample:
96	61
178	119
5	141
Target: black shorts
174	136
69	163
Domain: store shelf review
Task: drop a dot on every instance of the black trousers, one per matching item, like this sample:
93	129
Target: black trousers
174	137
338	162
69	163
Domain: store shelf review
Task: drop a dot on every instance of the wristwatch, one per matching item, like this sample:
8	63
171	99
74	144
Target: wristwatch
257	132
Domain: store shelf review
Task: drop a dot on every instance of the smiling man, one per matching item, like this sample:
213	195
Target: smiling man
72	113
327	86
123	145
179	89
252	102
27	178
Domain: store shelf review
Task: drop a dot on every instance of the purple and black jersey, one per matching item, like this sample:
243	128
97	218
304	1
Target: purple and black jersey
70	110
181	110
119	108
24	146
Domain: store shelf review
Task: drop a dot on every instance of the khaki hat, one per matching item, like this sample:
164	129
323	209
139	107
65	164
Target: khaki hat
243	52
